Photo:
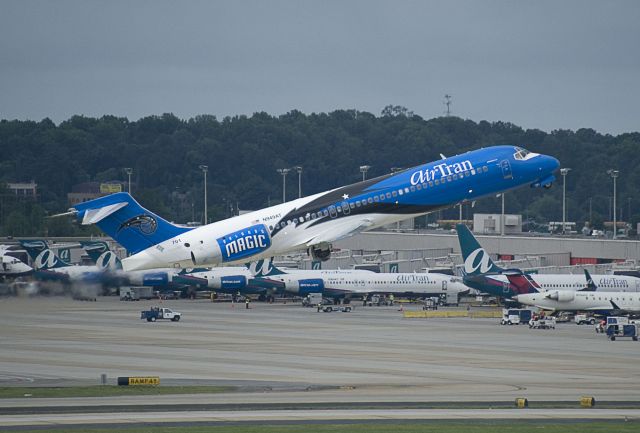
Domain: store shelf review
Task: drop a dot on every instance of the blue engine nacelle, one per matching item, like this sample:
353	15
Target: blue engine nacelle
311	285
233	282
155	279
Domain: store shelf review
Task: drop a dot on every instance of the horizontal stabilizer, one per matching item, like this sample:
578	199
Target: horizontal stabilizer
94	216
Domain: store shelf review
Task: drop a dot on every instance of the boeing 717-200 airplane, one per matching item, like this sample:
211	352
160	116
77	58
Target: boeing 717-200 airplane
314	222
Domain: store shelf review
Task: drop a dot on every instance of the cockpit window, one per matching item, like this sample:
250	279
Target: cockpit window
521	153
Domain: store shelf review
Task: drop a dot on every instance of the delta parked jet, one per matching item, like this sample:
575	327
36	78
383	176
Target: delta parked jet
358	283
482	274
314	222
588	299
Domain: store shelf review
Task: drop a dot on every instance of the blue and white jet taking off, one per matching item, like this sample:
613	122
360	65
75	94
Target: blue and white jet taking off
314	222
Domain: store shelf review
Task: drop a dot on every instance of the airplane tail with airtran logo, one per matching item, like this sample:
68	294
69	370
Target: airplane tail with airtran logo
476	259
43	257
263	268
101	254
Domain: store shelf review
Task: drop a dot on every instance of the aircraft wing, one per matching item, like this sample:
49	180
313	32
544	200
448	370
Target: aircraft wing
340	231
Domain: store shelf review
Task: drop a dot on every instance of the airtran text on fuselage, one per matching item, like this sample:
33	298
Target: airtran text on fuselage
439	171
613	282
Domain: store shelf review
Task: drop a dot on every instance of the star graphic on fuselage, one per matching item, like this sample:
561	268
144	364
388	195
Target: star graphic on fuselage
345	196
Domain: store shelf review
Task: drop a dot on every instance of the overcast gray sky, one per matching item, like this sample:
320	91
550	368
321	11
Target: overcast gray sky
539	64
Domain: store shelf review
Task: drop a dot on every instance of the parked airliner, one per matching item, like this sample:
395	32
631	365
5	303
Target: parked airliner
11	266
48	266
314	222
590	299
339	283
482	274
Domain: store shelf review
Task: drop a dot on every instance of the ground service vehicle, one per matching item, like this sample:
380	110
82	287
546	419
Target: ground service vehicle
332	308
621	327
585	319
160	313
515	316
136	293
543	323
312	300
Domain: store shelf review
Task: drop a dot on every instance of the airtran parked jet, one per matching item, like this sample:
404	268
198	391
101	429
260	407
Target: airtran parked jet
482	274
161	278
339	283
590	298
49	266
314	222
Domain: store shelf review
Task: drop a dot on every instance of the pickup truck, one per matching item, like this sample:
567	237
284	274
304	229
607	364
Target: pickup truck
158	313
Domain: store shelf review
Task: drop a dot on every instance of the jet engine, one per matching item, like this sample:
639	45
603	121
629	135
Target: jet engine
561	295
321	251
306	286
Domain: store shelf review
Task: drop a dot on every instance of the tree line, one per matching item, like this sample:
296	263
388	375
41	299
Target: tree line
243	154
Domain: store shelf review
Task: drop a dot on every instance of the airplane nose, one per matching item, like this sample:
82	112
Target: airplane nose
554	164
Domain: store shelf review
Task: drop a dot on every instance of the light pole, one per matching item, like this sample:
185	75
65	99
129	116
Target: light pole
364	169
204	169
614	174
129	170
564	172
299	170
502	217
283	172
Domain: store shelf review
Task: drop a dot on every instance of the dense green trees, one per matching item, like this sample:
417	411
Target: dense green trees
243	153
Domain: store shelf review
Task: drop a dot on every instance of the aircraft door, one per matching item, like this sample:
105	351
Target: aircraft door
444	286
332	211
506	169
345	208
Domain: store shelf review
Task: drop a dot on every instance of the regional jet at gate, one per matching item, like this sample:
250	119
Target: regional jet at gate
482	274
313	223
587	299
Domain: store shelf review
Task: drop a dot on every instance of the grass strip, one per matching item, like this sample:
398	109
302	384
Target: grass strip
106	391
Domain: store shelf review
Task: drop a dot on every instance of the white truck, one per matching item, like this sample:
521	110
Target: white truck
160	313
584	319
515	316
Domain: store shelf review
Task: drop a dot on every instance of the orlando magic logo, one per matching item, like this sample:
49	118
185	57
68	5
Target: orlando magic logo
244	243
146	224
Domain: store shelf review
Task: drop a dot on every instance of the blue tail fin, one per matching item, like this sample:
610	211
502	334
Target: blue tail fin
99	252
42	256
123	219
263	268
476	260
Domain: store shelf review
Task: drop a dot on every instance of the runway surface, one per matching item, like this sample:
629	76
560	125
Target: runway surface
286	353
